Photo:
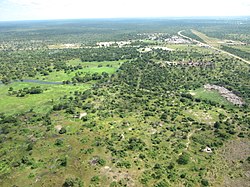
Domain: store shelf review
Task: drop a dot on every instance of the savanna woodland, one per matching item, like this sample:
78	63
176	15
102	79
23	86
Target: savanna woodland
125	103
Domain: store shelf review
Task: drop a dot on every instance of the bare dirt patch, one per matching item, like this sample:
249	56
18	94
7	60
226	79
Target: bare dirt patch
64	46
235	154
118	175
58	127
228	95
237	150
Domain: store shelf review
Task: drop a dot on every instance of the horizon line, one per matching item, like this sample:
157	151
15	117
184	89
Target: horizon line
132	18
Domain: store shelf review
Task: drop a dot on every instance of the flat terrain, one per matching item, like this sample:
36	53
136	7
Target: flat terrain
210	41
79	108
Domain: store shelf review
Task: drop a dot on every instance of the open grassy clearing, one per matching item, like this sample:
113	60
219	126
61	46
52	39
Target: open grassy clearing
179	46
209	40
210	95
206	117
190	47
41	103
88	67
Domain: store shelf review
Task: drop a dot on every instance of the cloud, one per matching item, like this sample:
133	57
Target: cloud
55	9
40	4
25	3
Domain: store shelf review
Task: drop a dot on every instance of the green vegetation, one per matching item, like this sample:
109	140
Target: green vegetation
208	40
190	34
238	52
40	103
92	115
212	96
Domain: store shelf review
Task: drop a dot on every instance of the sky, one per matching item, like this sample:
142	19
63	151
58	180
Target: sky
75	9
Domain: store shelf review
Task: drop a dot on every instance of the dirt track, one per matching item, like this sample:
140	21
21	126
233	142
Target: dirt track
217	49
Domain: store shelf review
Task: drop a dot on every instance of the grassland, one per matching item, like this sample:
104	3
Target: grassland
213	96
109	67
146	125
209	40
42	103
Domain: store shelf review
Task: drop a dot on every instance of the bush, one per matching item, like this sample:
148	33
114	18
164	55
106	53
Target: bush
62	130
123	164
204	182
62	161
71	182
183	159
142	156
217	125
135	144
30	147
95	179
162	183
59	142
101	162
113	184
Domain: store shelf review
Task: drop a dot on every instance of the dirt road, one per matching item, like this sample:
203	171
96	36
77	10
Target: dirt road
211	47
188	139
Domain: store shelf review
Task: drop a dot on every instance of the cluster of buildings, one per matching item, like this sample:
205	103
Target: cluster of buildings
177	40
108	44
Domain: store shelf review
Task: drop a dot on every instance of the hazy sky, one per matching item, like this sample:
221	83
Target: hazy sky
61	9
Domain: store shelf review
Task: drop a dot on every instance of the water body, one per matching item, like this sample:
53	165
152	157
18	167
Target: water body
37	81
